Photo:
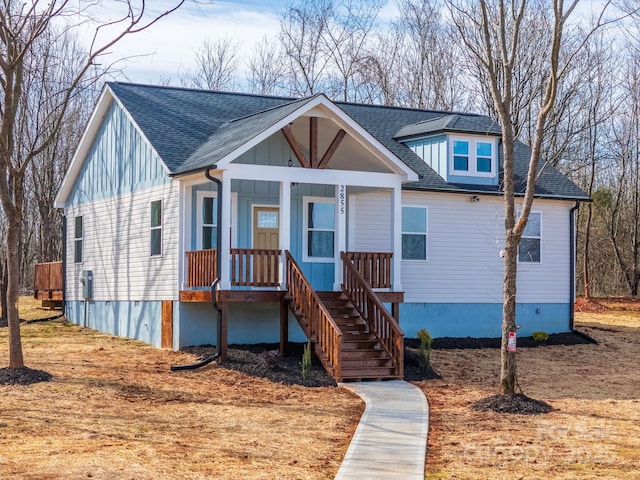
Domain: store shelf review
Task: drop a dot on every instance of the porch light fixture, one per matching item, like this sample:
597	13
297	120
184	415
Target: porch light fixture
290	162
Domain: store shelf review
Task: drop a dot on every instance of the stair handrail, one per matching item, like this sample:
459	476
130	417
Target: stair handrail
321	326
371	309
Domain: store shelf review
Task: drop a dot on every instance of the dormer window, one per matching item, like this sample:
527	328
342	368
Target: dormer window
473	157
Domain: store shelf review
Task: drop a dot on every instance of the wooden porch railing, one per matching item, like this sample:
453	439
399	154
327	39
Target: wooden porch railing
255	267
380	321
320	326
249	267
47	278
375	267
201	268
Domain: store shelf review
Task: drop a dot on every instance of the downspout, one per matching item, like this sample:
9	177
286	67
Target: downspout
572	263
64	262
214	285
572	274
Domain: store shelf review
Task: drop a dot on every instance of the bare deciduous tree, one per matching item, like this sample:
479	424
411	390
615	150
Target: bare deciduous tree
266	68
493	32
25	133
302	28
216	67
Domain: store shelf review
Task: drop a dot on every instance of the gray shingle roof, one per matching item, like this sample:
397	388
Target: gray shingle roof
454	122
193	129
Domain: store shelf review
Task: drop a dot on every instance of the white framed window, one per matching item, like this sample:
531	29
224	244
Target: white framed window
473	156
414	233
78	239
319	234
207	219
155	228
530	250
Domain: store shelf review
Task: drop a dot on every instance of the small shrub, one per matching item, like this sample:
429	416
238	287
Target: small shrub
306	362
540	336
425	350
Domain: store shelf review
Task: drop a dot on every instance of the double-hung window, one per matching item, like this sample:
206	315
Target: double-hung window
530	248
414	233
78	238
319	229
156	228
209	222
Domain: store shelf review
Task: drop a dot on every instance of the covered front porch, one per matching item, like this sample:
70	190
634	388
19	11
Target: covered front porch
306	213
353	333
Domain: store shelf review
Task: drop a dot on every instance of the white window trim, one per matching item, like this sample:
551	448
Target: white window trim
473	164
80	238
200	195
159	227
523	236
426	234
305	229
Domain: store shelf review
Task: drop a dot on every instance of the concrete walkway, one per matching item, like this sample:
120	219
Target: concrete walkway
391	439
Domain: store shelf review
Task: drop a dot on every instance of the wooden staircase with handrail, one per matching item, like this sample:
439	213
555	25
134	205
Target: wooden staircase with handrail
353	335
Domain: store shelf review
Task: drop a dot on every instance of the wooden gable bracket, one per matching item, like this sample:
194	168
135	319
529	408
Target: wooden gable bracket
312	162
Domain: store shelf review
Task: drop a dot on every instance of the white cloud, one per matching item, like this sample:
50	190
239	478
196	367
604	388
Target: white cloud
169	45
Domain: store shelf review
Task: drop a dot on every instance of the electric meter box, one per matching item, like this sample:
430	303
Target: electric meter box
86	280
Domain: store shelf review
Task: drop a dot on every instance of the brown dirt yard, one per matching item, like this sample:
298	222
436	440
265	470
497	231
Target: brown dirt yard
594	431
113	410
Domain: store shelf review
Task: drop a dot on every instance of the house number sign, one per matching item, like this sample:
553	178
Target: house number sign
342	198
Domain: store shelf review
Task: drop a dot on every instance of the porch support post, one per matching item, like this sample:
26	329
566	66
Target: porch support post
396	239
284	327
183	226
285	228
341	231
223	340
224	223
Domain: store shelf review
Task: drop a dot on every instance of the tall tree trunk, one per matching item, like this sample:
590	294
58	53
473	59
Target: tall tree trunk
3	288
14	226
508	370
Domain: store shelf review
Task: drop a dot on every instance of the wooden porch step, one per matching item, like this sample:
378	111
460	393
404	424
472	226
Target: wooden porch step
369	373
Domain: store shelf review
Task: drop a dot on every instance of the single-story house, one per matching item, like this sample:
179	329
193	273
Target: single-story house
351	225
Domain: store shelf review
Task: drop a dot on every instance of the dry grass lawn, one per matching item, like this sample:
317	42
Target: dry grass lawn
114	410
593	433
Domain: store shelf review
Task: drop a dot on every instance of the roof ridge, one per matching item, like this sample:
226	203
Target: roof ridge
276	107
199	90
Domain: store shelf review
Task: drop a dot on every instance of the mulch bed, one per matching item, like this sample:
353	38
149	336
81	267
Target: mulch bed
517	403
448	343
22	376
264	360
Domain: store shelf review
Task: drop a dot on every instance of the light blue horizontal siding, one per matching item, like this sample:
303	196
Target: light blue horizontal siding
249	323
481	319
138	320
119	161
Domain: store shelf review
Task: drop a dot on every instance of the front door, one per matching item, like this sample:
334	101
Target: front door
266	236
266	228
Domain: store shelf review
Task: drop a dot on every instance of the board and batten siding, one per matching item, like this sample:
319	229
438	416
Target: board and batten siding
116	247
463	248
119	161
